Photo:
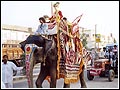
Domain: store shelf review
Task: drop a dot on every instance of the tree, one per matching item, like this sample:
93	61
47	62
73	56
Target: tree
84	40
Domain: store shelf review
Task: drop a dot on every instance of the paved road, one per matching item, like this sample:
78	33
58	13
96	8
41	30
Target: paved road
98	82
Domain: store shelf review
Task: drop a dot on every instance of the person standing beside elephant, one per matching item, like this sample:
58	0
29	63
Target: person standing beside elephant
9	69
42	28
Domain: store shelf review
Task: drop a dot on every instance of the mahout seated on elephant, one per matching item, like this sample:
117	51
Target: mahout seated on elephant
47	56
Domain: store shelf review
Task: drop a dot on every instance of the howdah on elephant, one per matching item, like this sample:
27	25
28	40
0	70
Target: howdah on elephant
45	52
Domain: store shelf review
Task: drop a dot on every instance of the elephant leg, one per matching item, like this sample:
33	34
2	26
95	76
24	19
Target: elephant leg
82	79
41	77
66	85
53	77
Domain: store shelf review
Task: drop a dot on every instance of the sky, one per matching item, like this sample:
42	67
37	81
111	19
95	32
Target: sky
103	14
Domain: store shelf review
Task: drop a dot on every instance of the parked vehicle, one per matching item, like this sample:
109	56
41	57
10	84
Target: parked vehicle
13	51
110	46
103	68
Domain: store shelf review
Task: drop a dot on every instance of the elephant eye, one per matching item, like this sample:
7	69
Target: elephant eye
36	50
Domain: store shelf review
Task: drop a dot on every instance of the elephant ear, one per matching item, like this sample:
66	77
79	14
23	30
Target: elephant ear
22	45
47	45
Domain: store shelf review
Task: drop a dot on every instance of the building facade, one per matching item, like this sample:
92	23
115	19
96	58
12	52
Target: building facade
12	34
91	40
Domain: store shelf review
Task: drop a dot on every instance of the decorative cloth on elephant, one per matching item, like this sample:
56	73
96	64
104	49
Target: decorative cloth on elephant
71	54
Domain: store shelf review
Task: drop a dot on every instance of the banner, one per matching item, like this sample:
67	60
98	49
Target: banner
97	37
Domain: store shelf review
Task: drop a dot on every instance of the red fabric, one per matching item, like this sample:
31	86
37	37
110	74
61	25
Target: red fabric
77	48
59	13
51	25
70	57
50	18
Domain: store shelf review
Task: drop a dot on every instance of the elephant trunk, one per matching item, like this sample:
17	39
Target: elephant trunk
29	68
29	72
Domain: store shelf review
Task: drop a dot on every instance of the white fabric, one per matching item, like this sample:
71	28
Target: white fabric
102	54
42	29
107	53
7	72
46	30
115	50
52	31
93	54
19	68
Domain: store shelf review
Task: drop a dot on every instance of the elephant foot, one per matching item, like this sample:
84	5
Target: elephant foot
66	86
84	86
39	86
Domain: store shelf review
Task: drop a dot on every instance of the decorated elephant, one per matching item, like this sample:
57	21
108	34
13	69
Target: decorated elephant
39	49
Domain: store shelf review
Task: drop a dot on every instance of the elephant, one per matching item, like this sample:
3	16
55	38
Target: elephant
46	54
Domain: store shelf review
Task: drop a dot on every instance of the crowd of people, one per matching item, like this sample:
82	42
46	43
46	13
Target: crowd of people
108	53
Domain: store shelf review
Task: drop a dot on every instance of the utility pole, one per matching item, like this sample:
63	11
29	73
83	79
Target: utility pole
51	9
95	35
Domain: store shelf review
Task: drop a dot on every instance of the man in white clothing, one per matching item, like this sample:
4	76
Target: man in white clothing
7	72
102	53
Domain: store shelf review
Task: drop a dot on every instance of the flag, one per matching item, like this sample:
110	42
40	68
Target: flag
76	21
75	26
